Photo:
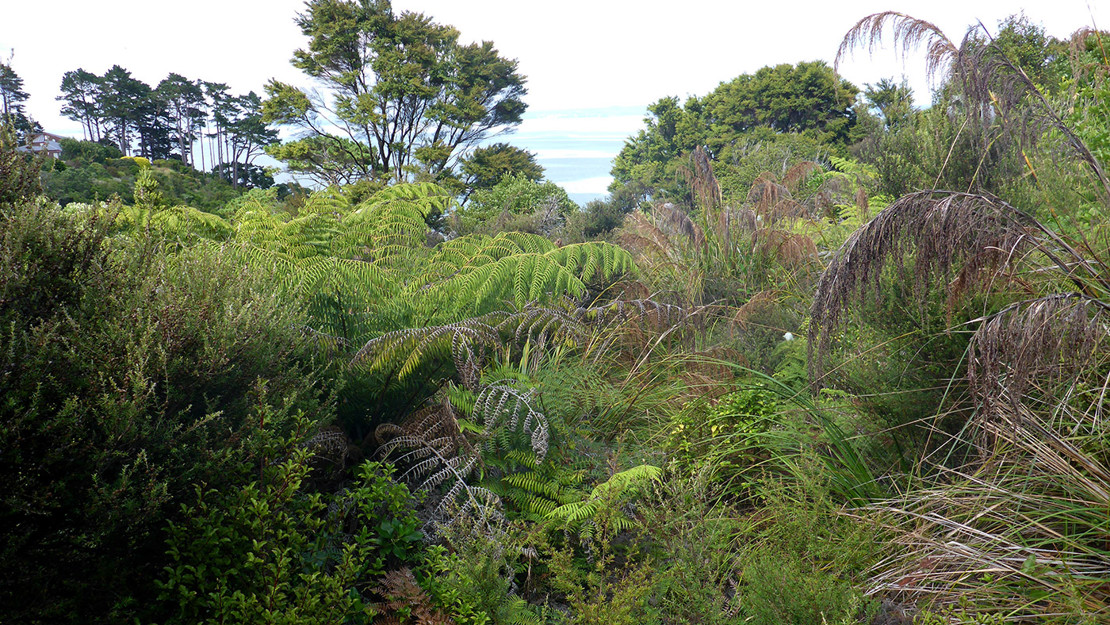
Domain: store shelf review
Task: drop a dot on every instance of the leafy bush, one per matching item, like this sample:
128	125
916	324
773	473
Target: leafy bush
270	552
804	558
516	203
128	377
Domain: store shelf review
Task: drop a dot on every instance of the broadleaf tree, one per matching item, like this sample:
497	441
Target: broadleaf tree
400	97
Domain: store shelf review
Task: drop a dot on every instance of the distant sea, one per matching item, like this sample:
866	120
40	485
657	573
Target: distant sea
576	147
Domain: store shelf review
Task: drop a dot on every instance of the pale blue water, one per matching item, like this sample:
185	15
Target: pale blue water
576	147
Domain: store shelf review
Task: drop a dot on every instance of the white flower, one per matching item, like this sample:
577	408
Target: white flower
789	336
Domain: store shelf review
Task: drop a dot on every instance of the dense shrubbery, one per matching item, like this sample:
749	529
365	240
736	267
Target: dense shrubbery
89	172
320	409
130	375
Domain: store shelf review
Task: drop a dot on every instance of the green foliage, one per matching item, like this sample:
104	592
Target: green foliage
85	152
605	499
603	589
95	173
19	173
130	376
806	100
726	438
691	535
484	167
481	573
146	192
516	203
270	552
375	64
804	558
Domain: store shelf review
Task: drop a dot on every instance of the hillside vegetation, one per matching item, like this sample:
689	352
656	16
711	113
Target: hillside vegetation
821	357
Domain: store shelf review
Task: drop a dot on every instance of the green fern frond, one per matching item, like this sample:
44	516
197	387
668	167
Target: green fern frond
618	488
330	200
413	346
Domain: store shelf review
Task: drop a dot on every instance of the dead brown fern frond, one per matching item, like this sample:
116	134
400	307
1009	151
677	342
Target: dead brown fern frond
404	601
438	422
649	310
331	451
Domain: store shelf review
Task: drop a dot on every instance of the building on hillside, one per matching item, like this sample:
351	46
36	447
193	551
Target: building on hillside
44	143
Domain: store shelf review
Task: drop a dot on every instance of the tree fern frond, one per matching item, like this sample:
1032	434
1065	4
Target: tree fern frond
619	487
504	407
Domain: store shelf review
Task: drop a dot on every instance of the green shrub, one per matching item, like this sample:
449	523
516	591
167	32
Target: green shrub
128	377
271	553
804	560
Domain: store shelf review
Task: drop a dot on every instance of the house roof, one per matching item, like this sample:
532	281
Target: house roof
48	147
38	136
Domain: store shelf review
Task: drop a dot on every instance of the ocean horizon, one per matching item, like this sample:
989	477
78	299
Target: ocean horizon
576	147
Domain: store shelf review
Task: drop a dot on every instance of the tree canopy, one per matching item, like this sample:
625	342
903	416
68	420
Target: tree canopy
402	98
807	99
12	98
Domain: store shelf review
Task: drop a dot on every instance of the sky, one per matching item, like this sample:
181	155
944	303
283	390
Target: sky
592	66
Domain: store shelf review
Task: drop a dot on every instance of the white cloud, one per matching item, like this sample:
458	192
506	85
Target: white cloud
547	154
599	184
596	125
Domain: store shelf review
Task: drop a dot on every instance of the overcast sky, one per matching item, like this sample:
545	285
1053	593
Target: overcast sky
618	55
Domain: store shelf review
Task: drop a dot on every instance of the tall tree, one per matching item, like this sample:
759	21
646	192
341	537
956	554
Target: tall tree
807	97
121	97
154	125
12	97
403	98
184	100
247	133
891	101
81	94
484	167
220	109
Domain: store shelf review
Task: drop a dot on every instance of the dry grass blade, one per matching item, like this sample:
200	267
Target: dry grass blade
670	217
765	193
1024	534
700	177
799	173
790	249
